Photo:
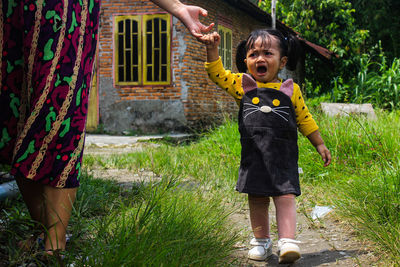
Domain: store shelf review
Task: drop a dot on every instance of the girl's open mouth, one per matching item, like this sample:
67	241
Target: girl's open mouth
261	69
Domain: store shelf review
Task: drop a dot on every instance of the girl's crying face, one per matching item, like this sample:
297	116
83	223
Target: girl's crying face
264	60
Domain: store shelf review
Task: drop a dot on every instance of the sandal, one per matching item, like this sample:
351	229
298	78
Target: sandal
50	257
32	243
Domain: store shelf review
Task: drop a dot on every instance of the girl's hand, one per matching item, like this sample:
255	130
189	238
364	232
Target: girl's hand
325	154
317	141
211	40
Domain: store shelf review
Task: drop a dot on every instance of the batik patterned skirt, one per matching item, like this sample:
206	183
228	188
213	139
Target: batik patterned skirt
47	50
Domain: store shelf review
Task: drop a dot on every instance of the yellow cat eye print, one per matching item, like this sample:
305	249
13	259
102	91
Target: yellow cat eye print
255	100
276	102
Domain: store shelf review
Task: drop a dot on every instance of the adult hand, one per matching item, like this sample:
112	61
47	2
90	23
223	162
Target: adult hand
189	15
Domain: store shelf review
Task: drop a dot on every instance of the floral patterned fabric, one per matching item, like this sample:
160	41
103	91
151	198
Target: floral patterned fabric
47	50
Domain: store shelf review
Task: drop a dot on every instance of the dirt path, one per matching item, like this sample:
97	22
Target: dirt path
324	243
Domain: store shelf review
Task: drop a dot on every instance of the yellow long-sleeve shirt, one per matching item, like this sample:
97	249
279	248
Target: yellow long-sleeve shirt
232	83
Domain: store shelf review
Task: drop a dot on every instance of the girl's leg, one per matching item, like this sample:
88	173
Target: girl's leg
285	206
49	206
259	215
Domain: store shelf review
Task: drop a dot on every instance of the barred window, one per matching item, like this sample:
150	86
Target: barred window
225	46
143	52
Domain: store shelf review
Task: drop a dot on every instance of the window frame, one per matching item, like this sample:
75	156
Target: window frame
168	50
141	19
116	64
223	51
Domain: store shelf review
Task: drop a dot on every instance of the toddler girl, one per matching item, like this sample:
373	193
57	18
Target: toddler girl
270	112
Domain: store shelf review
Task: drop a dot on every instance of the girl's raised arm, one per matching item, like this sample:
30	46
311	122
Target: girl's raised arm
211	41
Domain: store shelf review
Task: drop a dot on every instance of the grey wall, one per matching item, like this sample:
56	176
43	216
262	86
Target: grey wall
138	116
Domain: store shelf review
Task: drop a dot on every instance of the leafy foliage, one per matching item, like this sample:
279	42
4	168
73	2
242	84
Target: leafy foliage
377	82
362	72
329	23
381	18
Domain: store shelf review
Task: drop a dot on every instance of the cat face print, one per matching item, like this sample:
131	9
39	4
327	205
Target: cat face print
266	101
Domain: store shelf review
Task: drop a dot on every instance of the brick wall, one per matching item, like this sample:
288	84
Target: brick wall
206	100
111	8
202	100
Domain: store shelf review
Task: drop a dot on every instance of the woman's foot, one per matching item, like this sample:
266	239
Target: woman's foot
262	249
51	257
33	242
288	251
37	241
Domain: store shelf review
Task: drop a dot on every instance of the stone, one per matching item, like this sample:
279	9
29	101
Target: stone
342	109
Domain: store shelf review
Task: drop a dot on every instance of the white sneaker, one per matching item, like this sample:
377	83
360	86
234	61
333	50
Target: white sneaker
288	251
262	249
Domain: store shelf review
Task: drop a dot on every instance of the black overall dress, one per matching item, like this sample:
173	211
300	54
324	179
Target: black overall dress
268	131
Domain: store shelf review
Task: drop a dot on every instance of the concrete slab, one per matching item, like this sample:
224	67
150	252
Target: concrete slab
114	140
342	109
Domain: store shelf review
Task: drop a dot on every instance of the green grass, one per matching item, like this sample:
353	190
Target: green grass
213	160
182	220
163	224
362	182
160	224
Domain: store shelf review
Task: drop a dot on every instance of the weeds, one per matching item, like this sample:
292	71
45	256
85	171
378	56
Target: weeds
182	221
377	82
162	226
373	201
151	225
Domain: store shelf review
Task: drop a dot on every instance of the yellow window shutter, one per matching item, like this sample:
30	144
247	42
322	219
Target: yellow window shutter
127	38
156	49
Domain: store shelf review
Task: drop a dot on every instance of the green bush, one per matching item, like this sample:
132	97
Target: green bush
377	82
329	23
381	19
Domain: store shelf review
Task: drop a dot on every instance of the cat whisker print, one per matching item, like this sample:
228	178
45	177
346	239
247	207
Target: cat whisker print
257	109
252	105
281	108
277	113
265	109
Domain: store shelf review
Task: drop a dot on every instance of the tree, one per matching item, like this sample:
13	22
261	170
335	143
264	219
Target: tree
329	23
381	18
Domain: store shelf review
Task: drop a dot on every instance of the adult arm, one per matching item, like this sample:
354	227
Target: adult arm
188	14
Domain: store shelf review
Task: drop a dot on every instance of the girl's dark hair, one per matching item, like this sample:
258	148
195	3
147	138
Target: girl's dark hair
289	46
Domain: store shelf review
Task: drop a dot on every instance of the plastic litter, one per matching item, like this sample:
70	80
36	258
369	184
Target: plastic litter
8	190
320	211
